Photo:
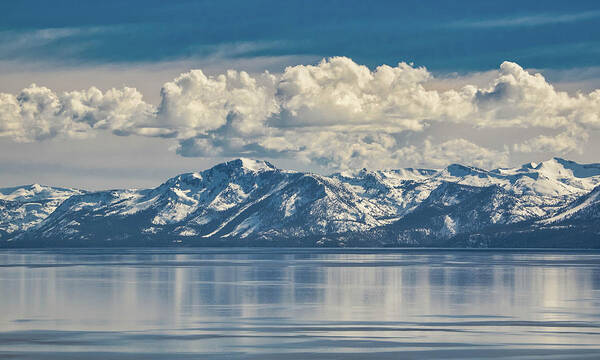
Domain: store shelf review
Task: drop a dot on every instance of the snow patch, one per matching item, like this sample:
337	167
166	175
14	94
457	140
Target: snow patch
593	198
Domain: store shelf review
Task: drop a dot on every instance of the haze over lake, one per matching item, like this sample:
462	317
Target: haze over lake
304	303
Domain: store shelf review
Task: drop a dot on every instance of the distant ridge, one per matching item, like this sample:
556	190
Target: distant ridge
246	202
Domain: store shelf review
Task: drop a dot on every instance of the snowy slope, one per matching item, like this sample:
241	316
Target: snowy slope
250	201
235	199
587	207
23	207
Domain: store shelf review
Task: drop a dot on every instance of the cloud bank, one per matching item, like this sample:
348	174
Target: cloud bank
336	113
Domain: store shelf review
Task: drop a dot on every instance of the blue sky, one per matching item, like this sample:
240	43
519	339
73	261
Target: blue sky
443	35
350	84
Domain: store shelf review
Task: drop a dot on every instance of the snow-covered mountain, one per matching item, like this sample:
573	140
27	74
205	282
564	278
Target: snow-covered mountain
23	207
586	208
250	202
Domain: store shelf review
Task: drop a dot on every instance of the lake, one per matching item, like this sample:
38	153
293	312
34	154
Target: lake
198	303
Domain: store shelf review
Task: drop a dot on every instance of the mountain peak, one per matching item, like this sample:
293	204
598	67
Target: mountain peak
35	192
459	170
250	202
564	167
234	168
251	165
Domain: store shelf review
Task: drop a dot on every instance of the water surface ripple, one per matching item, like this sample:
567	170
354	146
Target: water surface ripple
299	304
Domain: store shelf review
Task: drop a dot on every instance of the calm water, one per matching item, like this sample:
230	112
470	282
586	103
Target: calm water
298	304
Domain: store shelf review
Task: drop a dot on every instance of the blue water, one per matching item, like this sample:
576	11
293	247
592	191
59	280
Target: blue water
298	304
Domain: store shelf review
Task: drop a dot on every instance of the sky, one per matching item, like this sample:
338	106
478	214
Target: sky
117	94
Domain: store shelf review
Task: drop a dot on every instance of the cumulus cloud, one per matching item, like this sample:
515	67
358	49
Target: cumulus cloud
338	91
37	113
520	99
336	113
122	111
195	104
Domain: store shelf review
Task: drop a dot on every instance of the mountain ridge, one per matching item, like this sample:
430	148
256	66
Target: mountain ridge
246	202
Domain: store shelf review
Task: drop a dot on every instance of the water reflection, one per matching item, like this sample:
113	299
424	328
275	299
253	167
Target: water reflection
262	303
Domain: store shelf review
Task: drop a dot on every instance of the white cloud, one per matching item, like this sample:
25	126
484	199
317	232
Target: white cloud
561	144
338	91
195	104
460	151
520	99
37	113
531	20
121	111
336	113
24	44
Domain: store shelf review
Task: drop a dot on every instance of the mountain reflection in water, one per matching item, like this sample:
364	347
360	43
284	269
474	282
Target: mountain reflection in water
298	304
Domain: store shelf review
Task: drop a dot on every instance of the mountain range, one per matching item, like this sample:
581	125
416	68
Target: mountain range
244	202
